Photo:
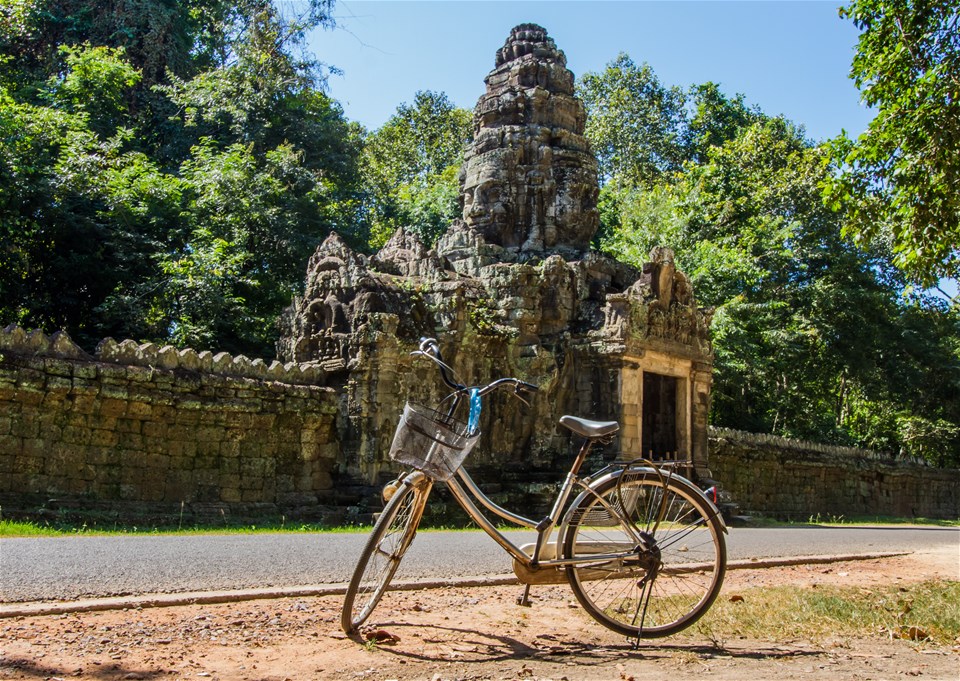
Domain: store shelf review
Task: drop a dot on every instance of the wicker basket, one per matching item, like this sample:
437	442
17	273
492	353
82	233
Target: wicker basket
431	442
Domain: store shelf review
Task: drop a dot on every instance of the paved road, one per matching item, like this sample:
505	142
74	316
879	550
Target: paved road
66	568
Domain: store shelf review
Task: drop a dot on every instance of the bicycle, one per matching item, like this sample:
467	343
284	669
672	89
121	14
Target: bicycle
642	548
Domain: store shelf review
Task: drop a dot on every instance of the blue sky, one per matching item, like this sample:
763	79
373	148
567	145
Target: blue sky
789	58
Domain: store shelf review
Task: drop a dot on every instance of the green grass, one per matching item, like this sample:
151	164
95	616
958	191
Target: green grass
14	528
107	526
923	611
851	521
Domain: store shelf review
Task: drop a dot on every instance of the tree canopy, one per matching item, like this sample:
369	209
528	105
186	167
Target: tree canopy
813	335
900	180
410	167
167	171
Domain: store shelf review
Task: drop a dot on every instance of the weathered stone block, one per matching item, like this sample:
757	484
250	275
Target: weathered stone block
321	480
29	395
229	449
230	494
167	357
310	451
139	410
25	427
82	403
229	466
112	407
28	464
251	495
208	449
209	434
75	435
128	425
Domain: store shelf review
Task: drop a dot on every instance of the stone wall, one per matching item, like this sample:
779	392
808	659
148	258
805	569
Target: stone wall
151	433
144	431
783	478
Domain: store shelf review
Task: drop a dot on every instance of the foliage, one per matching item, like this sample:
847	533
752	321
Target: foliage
635	124
168	171
814	337
411	165
899	179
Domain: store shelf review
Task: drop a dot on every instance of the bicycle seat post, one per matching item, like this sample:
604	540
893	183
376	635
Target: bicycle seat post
551	519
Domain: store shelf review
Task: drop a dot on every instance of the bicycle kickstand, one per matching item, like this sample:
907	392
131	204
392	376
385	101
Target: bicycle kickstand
524	600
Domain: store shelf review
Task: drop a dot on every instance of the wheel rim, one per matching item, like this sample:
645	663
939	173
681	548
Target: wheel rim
677	566
385	557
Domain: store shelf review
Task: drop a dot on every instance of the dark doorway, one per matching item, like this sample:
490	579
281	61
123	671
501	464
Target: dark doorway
659	416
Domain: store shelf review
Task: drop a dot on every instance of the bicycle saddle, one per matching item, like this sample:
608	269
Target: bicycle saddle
589	429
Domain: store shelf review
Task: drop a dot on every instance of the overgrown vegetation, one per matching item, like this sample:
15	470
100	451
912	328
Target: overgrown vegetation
816	337
165	174
167	170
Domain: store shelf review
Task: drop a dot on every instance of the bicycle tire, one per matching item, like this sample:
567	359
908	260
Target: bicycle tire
678	565
389	540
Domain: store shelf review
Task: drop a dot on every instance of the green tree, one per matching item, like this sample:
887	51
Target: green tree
95	84
715	120
899	179
812	335
167	174
411	164
635	124
72	216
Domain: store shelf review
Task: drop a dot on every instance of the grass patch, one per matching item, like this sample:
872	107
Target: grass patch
14	528
17	528
927	611
850	521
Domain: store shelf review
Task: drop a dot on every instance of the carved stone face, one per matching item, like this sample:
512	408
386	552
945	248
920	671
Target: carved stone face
484	209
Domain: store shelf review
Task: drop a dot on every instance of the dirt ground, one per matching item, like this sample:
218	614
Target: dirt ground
458	633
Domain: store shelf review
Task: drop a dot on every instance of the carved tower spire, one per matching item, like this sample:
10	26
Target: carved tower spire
529	181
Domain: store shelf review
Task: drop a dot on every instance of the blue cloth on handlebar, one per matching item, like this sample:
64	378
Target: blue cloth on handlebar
473	423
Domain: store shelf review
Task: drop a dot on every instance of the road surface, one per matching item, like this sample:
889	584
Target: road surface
67	568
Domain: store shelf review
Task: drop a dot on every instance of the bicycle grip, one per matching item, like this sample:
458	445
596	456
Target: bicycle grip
529	387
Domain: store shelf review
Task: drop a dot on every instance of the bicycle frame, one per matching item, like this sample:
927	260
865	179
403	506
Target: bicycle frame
463	488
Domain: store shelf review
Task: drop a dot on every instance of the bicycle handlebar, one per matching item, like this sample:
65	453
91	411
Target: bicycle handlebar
430	348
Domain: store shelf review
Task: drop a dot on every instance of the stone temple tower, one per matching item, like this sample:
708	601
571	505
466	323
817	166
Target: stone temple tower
511	289
529	182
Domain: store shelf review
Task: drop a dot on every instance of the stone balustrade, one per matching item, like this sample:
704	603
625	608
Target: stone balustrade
18	341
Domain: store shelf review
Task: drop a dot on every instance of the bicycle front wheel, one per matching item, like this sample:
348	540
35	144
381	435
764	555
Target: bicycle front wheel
389	540
670	548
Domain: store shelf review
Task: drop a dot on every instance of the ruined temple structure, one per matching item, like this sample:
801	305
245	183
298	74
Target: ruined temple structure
512	289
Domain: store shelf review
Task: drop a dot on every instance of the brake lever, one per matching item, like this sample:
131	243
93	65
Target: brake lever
516	393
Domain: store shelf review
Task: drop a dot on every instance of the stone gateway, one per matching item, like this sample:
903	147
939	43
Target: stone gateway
513	288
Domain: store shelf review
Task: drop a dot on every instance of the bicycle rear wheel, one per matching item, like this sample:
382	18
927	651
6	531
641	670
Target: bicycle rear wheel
672	548
389	540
